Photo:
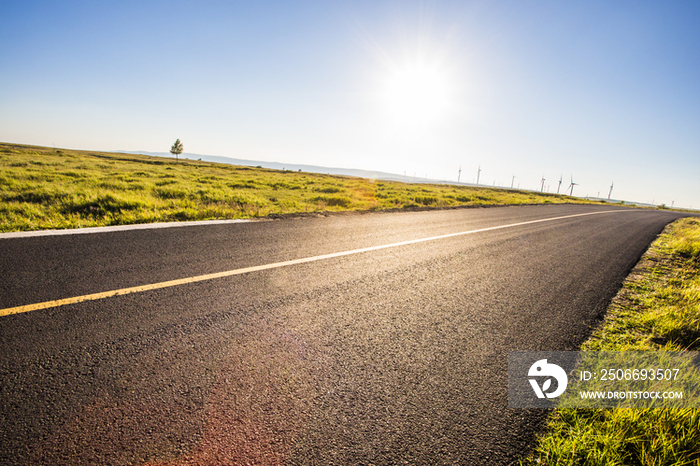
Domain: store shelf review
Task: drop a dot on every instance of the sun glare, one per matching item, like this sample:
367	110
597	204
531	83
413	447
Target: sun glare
416	94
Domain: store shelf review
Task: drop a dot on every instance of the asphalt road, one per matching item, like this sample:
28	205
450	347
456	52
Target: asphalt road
390	356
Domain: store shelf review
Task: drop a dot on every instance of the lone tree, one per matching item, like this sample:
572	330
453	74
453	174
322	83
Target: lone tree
176	149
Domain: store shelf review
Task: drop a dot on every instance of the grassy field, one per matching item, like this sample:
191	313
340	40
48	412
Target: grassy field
47	188
657	309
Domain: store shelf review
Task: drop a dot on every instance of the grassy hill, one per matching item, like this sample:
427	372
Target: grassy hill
48	188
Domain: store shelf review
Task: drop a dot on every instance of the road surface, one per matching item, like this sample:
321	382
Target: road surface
393	352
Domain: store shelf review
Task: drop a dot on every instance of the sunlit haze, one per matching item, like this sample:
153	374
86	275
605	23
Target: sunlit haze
416	94
591	92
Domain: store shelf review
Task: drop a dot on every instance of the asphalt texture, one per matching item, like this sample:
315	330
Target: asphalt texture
394	356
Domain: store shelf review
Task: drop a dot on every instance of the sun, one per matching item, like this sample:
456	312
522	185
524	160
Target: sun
416	93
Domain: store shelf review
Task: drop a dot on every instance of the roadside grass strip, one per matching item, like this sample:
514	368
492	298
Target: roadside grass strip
45	188
657	309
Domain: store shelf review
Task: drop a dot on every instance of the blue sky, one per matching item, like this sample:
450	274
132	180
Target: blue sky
597	91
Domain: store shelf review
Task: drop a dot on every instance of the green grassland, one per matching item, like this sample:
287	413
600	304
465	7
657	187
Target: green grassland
658	309
47	188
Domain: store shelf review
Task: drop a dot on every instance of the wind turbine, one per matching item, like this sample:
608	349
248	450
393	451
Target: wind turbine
542	187
560	178
611	187
459	174
478	173
571	186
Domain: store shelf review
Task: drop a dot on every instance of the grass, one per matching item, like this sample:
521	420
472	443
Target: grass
47	188
658	309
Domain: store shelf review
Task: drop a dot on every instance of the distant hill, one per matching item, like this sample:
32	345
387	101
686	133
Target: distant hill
296	167
342	171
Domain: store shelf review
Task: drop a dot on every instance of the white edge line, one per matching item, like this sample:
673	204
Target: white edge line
257	268
137	226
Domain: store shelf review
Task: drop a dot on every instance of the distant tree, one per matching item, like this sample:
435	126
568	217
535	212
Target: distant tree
176	149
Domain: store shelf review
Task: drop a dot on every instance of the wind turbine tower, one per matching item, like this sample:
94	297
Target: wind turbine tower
571	186
611	187
459	174
542	187
478	174
558	187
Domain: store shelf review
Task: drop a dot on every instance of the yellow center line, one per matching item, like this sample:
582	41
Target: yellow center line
258	268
